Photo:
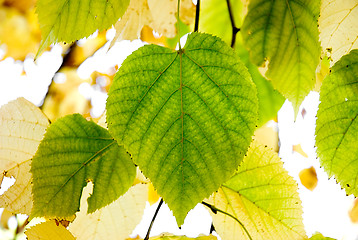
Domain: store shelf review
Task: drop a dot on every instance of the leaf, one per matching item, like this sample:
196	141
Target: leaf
170	237
157	14
22	127
353	212
262	198
115	221
215	18
337	123
70	20
75	151
270	100
298	149
48	231
285	34
18	198
268	136
308	177
186	117
319	236
338	25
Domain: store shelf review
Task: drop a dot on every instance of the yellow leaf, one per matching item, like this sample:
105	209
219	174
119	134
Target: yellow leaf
338	25
48	231
115	221
353	212
153	196
22	126
157	14
308	177
5	215
168	236
21	5
298	149
18	198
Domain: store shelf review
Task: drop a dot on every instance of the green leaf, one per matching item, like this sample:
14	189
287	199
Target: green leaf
70	20
270	100
215	18
285	34
337	123
260	201
319	236
186	117
73	152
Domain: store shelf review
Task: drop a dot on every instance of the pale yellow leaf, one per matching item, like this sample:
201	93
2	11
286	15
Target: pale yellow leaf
153	196
268	136
308	177
48	231
18	198
157	14
115	221
338	25
171	237
298	149
22	126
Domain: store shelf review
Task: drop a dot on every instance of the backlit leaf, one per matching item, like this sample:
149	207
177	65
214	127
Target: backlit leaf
18	198
263	199
319	236
308	177
353	212
285	34
48	231
337	123
186	117
75	151
338	25
115	221
70	20
171	237
22	127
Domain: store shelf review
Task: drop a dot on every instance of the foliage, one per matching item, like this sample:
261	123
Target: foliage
180	119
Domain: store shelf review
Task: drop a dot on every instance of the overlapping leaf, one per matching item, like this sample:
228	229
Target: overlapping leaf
186	117
285	34
69	20
337	123
115	221
261	198
75	151
338	25
22	126
48	231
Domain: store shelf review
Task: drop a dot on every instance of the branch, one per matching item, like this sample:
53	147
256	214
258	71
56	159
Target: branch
153	219
197	12
216	210
235	29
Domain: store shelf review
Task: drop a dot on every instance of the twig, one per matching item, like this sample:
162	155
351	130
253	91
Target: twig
215	210
197	12
235	29
153	219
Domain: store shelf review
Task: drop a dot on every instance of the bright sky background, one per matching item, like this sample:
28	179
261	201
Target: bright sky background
325	209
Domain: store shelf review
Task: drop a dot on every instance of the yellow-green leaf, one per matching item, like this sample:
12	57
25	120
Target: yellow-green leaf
260	201
73	152
337	123
70	20
284	33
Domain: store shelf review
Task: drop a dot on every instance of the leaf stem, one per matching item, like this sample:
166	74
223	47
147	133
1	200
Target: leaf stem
197	12
153	219
235	29
178	19
216	210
